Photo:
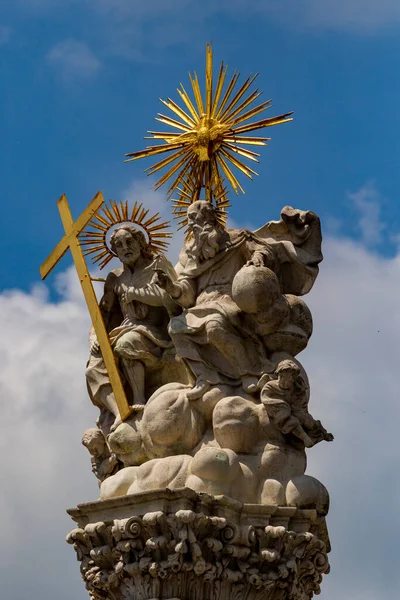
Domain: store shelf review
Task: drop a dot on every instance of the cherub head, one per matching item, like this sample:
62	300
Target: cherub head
288	372
94	440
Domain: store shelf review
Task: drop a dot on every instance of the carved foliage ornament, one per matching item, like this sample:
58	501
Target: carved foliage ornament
186	555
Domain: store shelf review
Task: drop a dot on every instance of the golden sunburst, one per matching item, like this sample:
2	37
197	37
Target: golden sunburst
210	137
188	194
95	239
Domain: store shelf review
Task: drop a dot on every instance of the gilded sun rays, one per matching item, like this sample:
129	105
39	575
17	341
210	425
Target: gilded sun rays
210	139
94	238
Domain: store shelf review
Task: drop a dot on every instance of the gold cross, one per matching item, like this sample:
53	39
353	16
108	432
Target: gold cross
70	241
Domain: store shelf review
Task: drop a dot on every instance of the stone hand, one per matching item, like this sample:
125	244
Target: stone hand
128	294
257	260
94	347
265	258
163	280
125	293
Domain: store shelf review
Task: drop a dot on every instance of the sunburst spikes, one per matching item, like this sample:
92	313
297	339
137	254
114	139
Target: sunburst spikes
94	238
250	114
181	163
249	100
238	164
197	93
160	135
264	123
210	133
227	94
209	82
248	141
163	163
172	122
246	153
189	105
181	176
230	176
237	97
220	84
178	111
152	150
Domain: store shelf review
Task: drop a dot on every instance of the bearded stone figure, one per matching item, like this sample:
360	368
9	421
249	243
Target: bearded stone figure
231	284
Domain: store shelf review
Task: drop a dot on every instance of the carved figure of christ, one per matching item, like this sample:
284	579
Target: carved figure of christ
70	242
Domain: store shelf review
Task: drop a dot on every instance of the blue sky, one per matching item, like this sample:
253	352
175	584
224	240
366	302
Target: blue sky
80	84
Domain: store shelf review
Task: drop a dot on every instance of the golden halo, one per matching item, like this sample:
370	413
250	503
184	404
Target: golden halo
95	239
187	195
210	136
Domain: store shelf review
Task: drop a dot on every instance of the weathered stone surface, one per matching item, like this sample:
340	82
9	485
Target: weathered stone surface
186	546
203	489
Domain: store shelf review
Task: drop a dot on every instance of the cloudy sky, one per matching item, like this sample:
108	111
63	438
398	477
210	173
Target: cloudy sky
80	85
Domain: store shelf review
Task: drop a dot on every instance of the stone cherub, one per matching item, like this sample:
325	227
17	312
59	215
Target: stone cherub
286	399
104	463
135	313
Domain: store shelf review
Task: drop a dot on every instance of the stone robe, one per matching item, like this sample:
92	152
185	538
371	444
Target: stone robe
138	330
216	340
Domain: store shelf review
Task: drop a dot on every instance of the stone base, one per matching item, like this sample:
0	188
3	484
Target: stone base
181	545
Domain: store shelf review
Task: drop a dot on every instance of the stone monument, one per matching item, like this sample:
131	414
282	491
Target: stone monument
199	447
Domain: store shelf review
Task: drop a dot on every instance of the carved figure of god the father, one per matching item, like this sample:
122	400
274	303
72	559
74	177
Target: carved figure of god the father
220	338
136	317
212	336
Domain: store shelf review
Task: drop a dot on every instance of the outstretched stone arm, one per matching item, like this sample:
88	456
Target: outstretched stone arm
260	254
182	291
149	294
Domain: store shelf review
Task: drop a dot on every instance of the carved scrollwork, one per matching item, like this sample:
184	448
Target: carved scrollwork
158	555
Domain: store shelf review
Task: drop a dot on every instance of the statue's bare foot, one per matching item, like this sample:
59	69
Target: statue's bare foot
308	442
199	390
116	424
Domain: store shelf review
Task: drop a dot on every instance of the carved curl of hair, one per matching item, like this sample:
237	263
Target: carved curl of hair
145	249
287	365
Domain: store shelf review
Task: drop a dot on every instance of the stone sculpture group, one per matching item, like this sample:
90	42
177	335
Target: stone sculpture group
208	353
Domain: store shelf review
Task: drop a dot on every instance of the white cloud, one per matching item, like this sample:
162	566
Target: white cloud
44	410
367	200
352	361
73	60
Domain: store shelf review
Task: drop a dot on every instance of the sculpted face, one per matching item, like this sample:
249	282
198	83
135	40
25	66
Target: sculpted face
96	447
200	213
127	247
194	216
286	378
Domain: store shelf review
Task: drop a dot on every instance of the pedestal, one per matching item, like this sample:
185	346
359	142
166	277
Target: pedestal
181	545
